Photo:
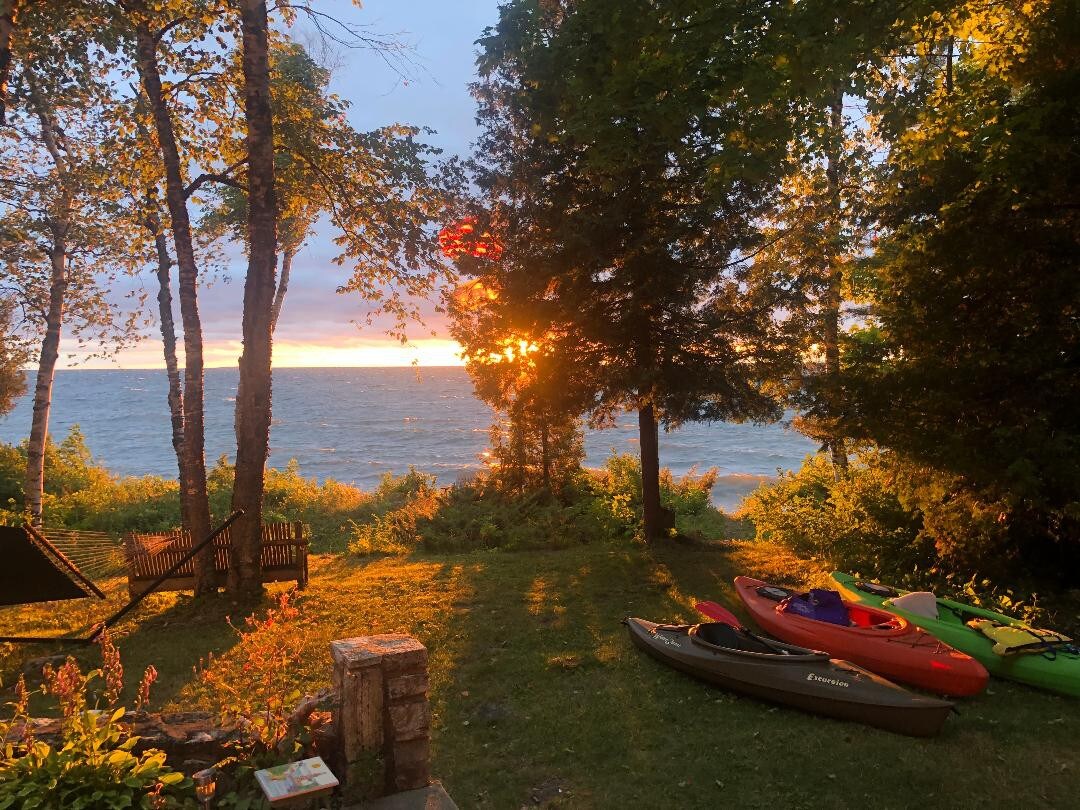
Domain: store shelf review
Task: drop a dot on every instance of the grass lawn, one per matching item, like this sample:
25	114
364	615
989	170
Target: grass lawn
536	688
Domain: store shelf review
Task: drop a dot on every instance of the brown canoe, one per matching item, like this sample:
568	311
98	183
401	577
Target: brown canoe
794	676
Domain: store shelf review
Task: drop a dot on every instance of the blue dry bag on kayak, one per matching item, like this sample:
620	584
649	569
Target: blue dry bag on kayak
820	604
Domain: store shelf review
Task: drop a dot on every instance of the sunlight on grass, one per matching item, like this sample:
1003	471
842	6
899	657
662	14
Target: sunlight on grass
534	682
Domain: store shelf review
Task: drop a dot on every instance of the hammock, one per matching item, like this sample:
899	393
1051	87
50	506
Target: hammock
33	570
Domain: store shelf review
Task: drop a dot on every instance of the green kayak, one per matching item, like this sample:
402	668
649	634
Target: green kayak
1056	670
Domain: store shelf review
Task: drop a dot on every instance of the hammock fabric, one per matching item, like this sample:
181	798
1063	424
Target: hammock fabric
33	570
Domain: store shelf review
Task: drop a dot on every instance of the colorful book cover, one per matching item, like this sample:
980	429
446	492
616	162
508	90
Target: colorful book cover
296	779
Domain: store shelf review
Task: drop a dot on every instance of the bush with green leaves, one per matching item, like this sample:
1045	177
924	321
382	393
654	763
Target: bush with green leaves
855	522
95	766
618	484
479	516
890	519
599	506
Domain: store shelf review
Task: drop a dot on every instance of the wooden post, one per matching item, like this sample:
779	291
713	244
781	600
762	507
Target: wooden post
383	721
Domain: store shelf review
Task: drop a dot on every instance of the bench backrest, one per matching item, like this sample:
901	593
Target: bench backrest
149	555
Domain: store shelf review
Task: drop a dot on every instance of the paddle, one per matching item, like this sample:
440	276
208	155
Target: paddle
719	613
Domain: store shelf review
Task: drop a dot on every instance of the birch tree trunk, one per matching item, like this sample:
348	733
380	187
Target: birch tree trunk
59	223
168	343
833	292
193	467
282	286
254	389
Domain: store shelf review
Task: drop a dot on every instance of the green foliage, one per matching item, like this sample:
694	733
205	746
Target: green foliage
535	448
80	494
974	370
94	767
327	510
618	484
855	522
482	517
13	354
396	530
600	506
906	524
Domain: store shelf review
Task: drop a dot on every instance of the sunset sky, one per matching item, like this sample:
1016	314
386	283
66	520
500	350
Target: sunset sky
319	327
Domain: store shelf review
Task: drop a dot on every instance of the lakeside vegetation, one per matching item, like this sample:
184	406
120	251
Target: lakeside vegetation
680	209
523	638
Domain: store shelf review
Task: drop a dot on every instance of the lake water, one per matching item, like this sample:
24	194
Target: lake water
355	424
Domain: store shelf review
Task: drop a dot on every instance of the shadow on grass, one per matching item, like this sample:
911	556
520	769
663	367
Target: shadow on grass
545	696
539	698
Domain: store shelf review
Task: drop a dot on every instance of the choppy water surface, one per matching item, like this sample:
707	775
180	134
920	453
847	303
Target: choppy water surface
355	424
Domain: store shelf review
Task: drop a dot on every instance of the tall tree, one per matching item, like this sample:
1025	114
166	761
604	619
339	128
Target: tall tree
978	366
59	222
539	445
57	205
383	191
148	29
254	388
624	167
9	16
815	242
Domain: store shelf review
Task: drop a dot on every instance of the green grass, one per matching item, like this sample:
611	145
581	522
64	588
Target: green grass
535	688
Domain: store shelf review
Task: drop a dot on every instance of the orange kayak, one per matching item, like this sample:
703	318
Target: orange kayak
879	641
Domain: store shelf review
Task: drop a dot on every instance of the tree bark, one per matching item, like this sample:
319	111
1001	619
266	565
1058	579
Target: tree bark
649	442
253	397
193	491
833	292
9	16
282	286
168	343
949	67
59	223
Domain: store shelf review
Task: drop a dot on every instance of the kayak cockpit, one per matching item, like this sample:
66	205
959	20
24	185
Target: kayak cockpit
724	638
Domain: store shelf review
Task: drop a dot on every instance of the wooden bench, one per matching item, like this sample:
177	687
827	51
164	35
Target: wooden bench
284	557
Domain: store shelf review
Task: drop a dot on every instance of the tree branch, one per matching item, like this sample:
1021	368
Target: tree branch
223	177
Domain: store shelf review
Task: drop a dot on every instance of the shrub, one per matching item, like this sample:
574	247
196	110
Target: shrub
327	510
890	519
481	516
396	531
855	523
618	484
255	688
95	766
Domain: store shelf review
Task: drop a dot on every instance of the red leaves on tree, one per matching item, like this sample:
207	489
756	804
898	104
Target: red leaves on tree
462	239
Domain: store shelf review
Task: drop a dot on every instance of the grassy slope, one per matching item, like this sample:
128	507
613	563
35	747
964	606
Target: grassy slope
535	687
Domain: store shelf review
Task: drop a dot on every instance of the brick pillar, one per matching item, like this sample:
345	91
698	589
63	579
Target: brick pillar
383	722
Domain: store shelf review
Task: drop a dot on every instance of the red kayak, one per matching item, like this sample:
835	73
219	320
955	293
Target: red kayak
879	641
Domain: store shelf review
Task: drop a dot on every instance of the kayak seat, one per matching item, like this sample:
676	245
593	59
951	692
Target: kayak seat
718	634
921	603
775	592
865	617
